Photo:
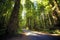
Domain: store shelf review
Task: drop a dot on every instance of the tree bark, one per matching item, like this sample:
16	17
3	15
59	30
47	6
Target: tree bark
13	22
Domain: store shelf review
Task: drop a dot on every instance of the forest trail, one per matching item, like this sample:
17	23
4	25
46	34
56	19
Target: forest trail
29	32
30	35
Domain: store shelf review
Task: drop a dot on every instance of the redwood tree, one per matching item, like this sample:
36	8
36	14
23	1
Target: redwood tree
13	22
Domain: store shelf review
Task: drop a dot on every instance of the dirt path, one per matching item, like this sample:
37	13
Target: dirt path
33	37
30	35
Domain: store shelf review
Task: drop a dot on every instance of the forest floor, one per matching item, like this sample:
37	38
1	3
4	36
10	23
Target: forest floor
33	35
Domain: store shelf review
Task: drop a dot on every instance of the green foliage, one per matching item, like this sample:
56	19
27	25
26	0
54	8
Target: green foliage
5	10
28	4
38	16
57	31
41	15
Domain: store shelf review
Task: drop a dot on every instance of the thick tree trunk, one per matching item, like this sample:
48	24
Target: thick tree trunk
13	22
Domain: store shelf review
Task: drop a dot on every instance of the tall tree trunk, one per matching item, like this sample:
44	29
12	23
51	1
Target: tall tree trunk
13	22
28	23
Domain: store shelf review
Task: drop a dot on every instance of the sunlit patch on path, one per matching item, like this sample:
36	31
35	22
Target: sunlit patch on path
35	33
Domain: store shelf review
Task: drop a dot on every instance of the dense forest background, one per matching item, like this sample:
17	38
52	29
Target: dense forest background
36	15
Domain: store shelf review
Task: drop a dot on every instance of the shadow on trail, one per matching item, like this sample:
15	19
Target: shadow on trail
30	36
44	37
